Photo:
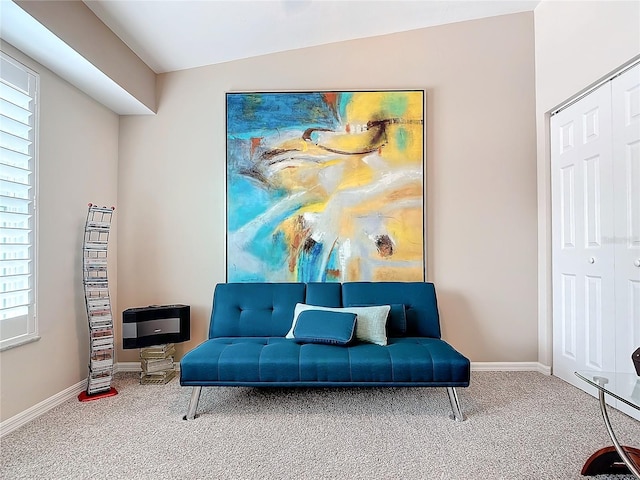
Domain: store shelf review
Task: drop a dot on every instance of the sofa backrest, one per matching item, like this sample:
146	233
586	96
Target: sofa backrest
418	298
326	294
254	309
266	309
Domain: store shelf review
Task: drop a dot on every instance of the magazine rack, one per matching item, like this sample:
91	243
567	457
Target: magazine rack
96	291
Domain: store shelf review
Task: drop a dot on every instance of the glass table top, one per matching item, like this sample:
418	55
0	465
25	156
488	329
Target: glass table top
622	386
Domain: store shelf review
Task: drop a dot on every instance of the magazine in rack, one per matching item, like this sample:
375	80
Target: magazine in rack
98	303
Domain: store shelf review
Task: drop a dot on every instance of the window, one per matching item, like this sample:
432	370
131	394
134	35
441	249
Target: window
18	95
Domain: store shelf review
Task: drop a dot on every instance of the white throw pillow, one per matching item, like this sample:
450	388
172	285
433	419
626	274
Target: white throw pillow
370	324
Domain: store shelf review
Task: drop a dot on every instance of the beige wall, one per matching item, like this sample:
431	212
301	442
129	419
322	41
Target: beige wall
481	174
77	162
577	44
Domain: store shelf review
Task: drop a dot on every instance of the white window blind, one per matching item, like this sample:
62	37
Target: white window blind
18	94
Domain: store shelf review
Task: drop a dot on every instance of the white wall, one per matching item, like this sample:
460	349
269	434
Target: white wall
480	188
576	45
77	162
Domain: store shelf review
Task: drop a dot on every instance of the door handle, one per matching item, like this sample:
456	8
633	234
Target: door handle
592	260
637	263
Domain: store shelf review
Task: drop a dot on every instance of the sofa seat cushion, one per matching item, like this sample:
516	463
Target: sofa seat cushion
277	361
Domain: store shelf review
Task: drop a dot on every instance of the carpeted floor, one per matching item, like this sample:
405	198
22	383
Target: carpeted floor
521	425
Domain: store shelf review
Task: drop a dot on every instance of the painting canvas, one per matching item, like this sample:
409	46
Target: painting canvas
325	186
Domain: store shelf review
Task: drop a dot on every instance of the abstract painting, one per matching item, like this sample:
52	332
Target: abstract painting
325	186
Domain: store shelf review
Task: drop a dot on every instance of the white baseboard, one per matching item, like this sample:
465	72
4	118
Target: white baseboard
10	424
510	367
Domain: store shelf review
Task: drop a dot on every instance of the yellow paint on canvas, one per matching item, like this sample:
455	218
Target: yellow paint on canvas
365	106
356	174
381	203
299	176
398	274
413	145
406	228
353	270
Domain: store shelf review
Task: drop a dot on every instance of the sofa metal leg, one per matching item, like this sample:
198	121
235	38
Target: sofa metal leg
193	403
457	414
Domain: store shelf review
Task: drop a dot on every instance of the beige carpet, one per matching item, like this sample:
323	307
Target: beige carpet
521	425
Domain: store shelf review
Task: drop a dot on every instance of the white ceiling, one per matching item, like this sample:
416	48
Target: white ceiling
171	35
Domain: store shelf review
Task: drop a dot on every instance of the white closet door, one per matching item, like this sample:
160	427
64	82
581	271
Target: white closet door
626	167
582	238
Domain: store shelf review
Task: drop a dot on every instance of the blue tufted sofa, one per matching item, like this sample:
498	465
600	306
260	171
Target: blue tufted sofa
247	343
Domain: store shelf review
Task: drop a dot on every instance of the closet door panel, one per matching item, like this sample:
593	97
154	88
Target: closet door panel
582	204
625	96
